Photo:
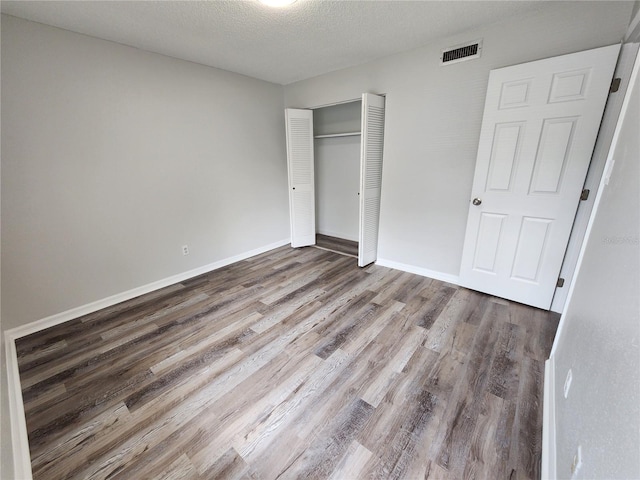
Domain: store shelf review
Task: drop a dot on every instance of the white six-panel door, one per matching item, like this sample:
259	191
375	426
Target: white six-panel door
538	131
370	177
302	209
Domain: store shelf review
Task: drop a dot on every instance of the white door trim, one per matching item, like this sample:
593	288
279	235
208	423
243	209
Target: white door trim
603	143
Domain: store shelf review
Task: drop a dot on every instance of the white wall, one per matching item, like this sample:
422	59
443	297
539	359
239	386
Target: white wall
633	32
599	338
6	450
113	158
433	117
337	165
636	8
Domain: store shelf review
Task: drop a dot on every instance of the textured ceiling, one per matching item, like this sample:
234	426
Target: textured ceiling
309	38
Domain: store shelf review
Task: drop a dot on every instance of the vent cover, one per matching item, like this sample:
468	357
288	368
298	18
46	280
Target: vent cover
461	53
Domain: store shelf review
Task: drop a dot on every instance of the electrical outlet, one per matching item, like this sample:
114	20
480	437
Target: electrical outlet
576	464
567	383
185	249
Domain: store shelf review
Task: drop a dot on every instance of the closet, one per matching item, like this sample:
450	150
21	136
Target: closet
334	158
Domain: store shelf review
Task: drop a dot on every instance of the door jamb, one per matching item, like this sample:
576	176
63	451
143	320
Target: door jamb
601	148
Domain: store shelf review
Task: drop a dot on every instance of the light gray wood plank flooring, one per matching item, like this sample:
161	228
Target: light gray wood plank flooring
292	364
339	245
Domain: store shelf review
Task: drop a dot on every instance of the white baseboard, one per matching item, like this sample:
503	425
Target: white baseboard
62	317
19	438
424	272
548	469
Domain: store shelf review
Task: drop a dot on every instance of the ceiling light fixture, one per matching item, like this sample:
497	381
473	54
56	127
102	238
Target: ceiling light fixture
277	3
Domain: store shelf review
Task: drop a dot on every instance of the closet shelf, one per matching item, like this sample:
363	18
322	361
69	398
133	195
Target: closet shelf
331	135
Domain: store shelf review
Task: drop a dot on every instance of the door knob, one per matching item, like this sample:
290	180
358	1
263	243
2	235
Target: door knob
476	201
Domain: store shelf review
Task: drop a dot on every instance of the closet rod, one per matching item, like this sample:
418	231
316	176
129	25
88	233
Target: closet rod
346	134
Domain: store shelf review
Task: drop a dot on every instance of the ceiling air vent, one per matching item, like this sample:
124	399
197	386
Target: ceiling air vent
461	53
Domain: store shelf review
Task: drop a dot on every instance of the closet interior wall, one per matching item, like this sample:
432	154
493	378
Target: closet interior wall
337	144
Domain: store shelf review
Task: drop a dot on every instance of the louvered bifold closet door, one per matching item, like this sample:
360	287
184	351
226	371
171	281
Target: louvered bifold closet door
370	177
302	209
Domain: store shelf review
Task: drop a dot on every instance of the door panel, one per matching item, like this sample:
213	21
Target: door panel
370	177
489	241
302	209
532	240
551	160
504	156
539	127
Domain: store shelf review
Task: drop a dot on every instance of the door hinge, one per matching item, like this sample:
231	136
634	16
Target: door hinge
585	194
615	85
560	283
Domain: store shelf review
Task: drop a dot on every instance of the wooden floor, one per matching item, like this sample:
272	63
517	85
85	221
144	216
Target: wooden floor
292	364
338	245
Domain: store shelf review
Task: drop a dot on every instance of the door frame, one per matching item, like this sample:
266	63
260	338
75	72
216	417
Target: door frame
623	70
354	100
572	234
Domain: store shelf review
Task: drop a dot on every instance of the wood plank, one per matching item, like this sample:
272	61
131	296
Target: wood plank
322	457
338	245
352	463
294	363
461	416
397	430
